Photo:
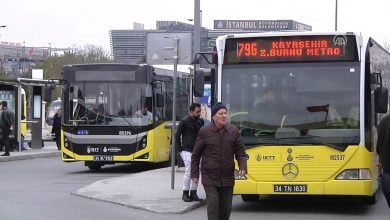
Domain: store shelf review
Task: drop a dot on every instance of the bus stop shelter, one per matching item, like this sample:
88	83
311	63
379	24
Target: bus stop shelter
12	91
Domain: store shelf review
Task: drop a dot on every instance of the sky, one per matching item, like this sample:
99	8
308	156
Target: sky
75	23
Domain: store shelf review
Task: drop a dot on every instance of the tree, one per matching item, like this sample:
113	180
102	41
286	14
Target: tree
52	67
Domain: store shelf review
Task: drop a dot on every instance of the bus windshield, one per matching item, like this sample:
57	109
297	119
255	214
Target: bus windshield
112	104
294	103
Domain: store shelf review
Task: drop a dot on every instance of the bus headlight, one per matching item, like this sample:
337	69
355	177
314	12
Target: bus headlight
354	174
237	176
67	143
143	143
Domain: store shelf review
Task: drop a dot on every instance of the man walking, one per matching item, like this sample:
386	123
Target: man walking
217	145
56	129
383	149
186	134
6	123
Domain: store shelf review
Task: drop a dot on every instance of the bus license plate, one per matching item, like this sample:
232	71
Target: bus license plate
103	158
290	188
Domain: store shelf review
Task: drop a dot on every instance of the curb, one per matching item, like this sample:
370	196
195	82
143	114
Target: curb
30	156
146	190
138	207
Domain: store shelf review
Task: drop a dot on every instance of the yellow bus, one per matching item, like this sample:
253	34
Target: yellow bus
307	105
118	113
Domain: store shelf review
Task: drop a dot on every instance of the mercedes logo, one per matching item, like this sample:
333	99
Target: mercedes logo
290	171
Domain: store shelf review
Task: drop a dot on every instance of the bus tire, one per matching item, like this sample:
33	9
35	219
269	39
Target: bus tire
250	197
93	166
369	200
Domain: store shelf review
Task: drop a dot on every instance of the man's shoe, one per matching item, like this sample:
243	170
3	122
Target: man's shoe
5	154
186	196
194	196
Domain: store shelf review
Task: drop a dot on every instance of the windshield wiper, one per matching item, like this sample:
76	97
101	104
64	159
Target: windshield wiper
311	138
128	123
257	144
308	140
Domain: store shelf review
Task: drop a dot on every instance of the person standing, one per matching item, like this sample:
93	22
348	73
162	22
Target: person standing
6	124
56	129
186	134
216	146
383	149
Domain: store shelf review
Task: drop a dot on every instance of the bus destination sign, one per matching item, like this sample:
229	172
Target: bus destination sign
291	49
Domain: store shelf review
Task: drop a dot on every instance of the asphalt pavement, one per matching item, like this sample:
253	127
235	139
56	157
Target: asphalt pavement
44	188
149	190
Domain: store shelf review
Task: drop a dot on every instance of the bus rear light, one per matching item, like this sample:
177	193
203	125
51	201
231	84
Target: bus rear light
354	174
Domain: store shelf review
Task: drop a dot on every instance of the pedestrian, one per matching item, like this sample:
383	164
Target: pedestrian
216	147
6	125
186	134
56	129
383	149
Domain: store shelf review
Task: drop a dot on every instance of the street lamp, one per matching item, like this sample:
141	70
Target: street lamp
191	19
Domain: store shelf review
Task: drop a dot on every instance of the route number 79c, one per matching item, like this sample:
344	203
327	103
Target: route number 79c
247	49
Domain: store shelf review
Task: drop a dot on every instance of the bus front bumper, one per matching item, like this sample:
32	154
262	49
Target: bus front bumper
333	187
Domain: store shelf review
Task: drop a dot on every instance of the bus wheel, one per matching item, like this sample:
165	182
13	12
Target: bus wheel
250	197
369	200
93	165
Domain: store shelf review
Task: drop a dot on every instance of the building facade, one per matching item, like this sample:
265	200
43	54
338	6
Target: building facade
130	46
16	58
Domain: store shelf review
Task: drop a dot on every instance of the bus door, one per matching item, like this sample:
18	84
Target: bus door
161	135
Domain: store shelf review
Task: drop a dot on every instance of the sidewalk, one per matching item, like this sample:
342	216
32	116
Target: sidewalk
149	190
50	150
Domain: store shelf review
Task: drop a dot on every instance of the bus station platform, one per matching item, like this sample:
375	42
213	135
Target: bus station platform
148	190
49	150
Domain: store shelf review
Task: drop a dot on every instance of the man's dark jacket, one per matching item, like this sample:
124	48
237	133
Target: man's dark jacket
186	133
7	120
383	144
56	129
218	148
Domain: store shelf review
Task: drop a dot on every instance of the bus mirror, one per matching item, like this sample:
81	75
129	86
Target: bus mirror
49	93
381	99
199	83
160	100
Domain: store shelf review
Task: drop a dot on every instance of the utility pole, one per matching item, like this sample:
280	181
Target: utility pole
173	152
335	25
197	26
2	52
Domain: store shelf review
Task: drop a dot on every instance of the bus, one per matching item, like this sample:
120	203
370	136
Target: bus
119	113
307	106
